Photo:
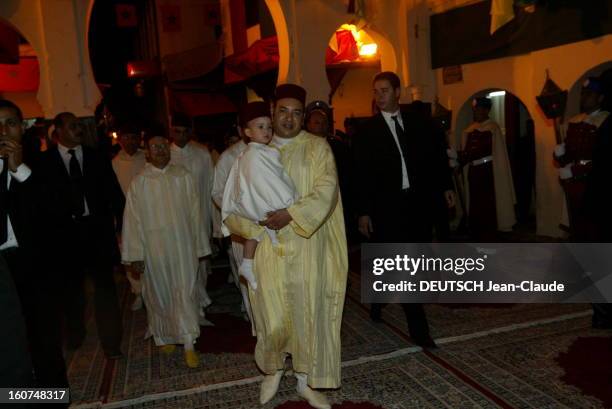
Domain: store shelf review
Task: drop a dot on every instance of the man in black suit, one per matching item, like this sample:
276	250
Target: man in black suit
402	172
597	206
85	204
21	230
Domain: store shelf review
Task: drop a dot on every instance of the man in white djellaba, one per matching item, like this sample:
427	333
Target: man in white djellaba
197	160
163	239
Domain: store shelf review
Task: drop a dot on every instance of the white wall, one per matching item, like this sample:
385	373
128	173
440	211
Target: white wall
57	30
354	95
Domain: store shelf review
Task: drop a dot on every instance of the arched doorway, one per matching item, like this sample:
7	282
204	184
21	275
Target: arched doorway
19	71
518	130
603	70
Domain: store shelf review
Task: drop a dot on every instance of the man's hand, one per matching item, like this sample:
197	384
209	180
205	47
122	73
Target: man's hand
277	219
449	195
137	269
365	226
13	151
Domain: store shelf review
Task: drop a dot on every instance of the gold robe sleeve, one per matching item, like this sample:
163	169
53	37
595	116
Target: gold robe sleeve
312	210
243	227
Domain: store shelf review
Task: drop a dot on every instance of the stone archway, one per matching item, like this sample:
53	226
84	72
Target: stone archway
20	79
573	98
517	124
57	33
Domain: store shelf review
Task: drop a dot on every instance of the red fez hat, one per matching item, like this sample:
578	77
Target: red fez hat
181	119
253	110
291	91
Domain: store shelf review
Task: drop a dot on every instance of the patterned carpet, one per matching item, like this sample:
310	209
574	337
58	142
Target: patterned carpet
227	357
524	356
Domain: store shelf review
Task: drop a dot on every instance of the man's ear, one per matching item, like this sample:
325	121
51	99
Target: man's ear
247	132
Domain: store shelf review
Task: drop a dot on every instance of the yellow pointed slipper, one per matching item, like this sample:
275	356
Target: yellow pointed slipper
168	349
192	359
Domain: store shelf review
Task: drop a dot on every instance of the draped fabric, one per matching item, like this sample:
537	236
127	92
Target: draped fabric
505	198
222	169
126	167
301	283
162	225
257	184
198	162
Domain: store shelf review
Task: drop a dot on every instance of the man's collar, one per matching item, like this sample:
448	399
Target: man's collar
280	142
158	170
65	149
124	155
389	115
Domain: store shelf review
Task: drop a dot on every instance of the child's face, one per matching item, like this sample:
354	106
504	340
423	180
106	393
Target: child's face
259	130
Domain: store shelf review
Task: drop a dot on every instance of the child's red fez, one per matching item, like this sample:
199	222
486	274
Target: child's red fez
253	110
290	91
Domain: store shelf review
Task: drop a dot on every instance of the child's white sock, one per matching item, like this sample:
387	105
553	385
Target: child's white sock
246	270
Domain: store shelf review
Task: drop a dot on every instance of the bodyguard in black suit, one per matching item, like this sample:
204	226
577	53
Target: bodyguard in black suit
85	204
402	172
21	230
598	199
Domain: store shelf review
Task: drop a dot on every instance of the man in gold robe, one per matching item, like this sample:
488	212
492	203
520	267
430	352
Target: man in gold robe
299	299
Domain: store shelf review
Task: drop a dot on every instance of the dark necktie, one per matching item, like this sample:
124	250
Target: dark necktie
76	180
401	138
4	201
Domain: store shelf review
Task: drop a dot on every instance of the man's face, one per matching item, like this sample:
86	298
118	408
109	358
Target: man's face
481	114
71	133
288	117
129	142
385	96
317	124
590	100
11	128
180	135
158	151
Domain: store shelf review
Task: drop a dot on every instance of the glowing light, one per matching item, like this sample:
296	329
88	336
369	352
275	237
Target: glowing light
365	46
368	50
496	94
115	136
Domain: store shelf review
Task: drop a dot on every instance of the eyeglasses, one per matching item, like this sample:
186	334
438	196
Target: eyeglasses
159	147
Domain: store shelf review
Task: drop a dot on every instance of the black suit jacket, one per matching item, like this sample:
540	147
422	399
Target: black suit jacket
378	169
22	210
103	194
598	194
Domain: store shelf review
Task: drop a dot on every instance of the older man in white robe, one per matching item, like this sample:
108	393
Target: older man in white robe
163	237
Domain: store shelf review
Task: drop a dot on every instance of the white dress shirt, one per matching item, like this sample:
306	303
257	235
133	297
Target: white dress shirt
23	172
66	156
388	116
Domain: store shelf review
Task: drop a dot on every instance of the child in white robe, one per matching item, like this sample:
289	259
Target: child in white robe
257	184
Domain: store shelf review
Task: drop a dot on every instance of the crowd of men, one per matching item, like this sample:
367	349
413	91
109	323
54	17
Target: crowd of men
64	209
